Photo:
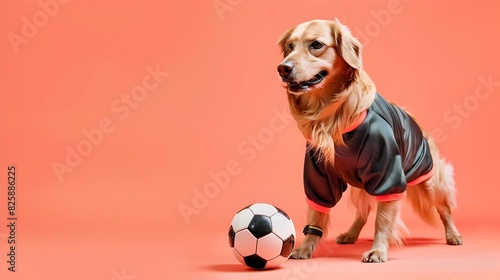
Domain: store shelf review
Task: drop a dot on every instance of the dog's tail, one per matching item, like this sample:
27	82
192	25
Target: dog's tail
446	189
422	199
439	189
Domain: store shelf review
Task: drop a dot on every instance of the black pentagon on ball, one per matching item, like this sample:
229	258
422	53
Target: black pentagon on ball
255	261
230	236
260	226
287	248
282	212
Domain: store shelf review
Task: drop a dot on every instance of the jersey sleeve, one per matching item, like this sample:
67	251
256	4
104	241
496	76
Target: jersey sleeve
322	184
380	164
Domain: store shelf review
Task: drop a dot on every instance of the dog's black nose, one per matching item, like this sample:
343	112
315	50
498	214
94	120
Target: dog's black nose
285	68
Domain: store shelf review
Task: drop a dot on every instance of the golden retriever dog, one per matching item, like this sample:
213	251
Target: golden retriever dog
355	138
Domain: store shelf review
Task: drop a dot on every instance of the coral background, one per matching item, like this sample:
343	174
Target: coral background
139	128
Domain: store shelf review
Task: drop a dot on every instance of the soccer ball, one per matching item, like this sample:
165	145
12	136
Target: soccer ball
261	236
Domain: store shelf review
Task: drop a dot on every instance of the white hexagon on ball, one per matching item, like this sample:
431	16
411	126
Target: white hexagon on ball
269	246
282	226
242	219
245	243
263	209
238	256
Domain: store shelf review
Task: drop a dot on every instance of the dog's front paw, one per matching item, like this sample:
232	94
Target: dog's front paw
302	253
305	250
346	238
374	256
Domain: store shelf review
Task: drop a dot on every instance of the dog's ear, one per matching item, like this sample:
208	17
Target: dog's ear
348	46
283	40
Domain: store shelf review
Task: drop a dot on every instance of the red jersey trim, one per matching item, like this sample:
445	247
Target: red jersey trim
317	207
357	123
422	178
390	197
397	196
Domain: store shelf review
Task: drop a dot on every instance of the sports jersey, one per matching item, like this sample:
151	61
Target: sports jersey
384	153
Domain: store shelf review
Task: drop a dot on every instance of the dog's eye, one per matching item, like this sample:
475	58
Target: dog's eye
290	47
316	45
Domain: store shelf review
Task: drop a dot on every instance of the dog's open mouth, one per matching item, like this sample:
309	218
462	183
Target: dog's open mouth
303	86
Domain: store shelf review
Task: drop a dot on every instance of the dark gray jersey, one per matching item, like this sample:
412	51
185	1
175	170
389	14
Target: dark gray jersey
382	155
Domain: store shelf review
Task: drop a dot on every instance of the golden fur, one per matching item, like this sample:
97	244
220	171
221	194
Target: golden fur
327	89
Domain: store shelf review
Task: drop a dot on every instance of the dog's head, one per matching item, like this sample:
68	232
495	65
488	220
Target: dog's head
315	53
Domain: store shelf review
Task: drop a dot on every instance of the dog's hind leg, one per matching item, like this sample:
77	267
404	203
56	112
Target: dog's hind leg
363	203
443	185
453	237
437	193
445	201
